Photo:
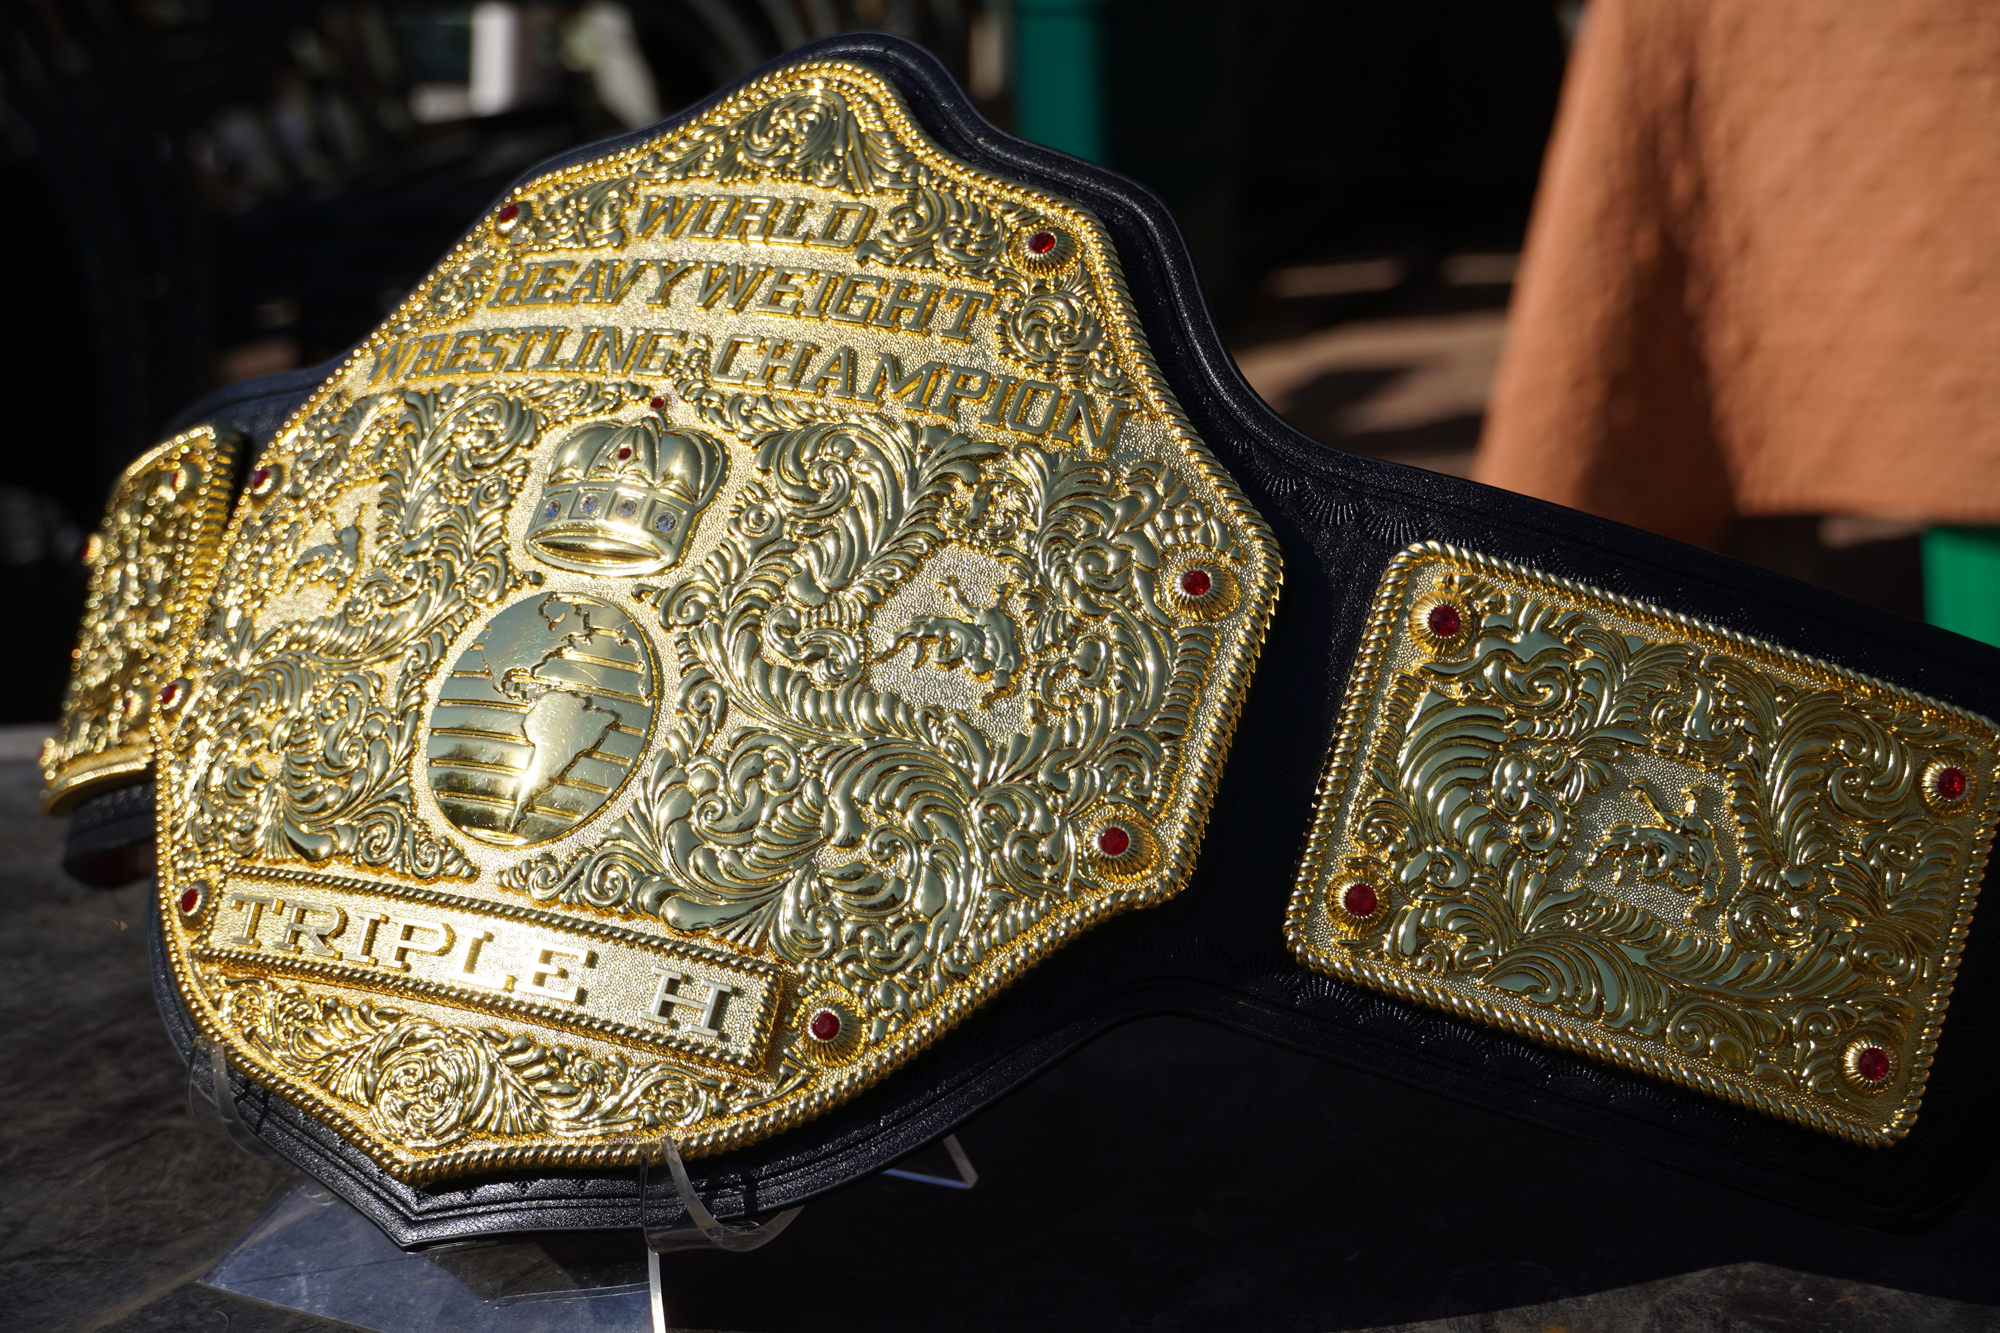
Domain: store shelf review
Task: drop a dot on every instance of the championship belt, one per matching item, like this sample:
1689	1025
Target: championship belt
797	623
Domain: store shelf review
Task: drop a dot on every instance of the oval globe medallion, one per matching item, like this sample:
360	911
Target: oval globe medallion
541	719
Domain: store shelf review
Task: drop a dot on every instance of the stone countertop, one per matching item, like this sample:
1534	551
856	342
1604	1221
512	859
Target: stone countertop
1095	1208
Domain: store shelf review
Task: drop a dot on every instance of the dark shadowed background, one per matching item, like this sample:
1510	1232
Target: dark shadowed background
202	191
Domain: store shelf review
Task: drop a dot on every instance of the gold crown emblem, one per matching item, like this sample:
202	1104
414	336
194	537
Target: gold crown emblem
621	498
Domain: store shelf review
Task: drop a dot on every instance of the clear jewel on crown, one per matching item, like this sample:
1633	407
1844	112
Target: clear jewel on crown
623	497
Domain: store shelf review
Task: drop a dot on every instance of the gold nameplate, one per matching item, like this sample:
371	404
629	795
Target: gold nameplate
1646	838
149	563
753	601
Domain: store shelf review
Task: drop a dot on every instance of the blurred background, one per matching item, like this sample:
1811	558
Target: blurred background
204	191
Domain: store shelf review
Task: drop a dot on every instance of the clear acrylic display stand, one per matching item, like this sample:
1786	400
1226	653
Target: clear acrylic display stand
967	1177
211	1103
315	1254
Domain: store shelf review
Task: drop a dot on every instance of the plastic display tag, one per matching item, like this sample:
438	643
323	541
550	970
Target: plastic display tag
214	1107
967	1176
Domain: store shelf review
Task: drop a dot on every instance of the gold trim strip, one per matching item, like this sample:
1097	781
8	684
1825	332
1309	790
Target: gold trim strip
1650	839
351	905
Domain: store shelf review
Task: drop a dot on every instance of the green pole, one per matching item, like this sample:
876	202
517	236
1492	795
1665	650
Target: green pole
1059	75
1962	581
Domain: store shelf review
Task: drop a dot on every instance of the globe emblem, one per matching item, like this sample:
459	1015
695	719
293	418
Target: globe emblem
541	719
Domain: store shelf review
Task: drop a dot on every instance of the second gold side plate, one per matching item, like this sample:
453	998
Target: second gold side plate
1647	838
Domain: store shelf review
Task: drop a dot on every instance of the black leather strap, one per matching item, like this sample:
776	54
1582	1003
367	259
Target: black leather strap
111	837
1218	952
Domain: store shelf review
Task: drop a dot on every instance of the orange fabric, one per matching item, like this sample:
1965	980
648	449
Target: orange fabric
1763	274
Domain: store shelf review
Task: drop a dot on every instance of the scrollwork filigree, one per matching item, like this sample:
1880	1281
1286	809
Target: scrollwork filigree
960	234
1699	855
428	1085
947	842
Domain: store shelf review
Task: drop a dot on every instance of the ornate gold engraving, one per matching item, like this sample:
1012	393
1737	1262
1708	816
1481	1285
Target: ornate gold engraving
150	563
1640	836
691	654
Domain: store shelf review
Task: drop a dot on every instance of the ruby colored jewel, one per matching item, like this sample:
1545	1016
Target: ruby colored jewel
1445	621
171	692
1113	840
510	212
259	480
1041	242
190	900
1949	783
825	1025
624	451
1872	1063
658	403
1359	900
1196	583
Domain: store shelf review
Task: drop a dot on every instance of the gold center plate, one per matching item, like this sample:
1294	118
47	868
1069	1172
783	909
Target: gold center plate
754	600
1647	838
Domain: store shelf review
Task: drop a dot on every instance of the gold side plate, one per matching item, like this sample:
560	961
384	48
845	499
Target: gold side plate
149	564
1649	839
755	599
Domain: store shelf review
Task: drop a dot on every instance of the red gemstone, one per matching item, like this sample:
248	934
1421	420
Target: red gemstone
1196	583
624	451
510	212
1872	1063
1359	900
171	692
658	403
260	479
1445	622
1041	242
1113	841
1949	783
825	1025
190	900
